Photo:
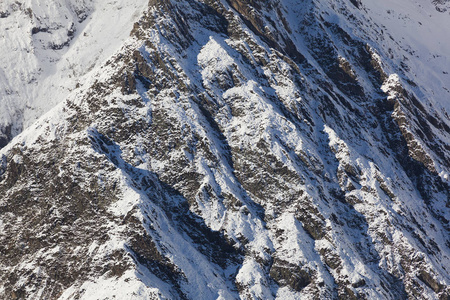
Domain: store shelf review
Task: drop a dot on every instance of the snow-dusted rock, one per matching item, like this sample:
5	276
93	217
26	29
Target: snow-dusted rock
226	149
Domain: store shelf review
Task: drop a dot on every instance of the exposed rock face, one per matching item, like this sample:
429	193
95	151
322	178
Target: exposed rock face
442	5
235	149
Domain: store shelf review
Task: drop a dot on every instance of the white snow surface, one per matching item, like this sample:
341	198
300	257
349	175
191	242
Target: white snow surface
48	47
420	32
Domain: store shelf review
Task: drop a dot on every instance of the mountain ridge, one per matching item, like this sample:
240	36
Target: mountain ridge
226	152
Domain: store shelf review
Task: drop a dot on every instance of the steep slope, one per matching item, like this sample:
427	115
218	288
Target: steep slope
241	149
48	47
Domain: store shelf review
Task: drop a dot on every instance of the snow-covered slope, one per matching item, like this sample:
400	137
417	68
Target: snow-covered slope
237	149
48	47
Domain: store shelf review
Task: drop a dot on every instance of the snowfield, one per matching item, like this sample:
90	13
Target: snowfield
49	48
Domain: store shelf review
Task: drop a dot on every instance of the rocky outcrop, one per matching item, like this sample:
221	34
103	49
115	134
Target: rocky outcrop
232	150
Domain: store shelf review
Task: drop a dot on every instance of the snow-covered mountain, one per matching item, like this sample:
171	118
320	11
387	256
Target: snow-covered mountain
49	47
225	149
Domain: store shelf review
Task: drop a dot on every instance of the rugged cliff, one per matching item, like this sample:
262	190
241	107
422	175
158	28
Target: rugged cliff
231	149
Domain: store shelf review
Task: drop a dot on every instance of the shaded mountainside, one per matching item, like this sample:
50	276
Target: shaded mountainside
238	149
